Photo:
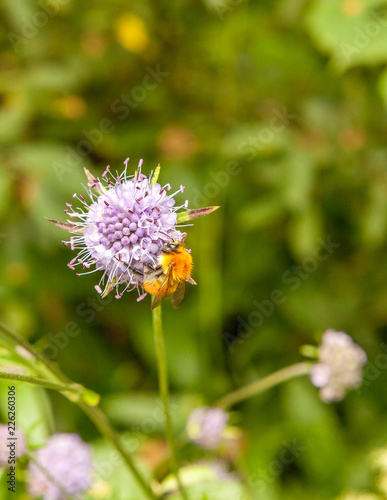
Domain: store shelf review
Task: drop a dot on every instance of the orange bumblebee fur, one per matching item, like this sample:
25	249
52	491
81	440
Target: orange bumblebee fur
168	277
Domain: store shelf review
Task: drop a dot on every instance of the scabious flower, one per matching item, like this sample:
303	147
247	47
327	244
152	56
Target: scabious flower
206	425
123	226
66	459
20	444
340	366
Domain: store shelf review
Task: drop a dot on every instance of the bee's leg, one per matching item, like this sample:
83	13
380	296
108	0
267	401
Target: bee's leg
153	267
154	273
153	270
136	271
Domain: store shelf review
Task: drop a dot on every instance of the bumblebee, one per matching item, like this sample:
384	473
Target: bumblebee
168	276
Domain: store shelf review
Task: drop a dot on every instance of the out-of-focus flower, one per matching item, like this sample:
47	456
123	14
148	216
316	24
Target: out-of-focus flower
352	8
6	440
379	462
65	459
131	33
233	443
153	452
100	490
340	366
381	484
205	477
72	107
220	468
124	227
206	425
94	44
177	142
379	459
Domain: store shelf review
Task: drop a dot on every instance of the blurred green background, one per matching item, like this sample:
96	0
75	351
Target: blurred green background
276	111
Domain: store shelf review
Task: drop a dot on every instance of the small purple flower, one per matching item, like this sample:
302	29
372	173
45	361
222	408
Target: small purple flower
20	444
205	427
340	366
67	460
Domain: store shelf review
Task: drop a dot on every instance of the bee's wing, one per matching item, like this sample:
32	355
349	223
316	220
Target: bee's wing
166	278
156	302
178	296
157	299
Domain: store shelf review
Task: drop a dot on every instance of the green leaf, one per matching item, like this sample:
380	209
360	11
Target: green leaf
353	33
146	410
110	467
91	398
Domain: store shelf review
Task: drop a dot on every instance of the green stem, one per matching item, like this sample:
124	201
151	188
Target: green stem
103	425
164	391
19	340
263	384
43	383
95	414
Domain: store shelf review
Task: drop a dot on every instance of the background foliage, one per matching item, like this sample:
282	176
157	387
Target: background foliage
274	110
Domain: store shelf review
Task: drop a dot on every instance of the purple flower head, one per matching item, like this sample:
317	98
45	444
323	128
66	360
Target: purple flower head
20	444
205	427
123	227
67	460
340	366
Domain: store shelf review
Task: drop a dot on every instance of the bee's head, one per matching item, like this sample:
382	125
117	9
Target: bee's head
171	246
